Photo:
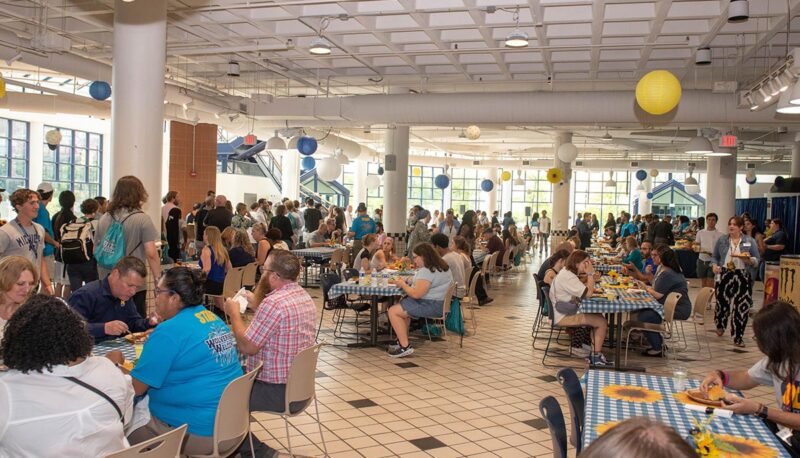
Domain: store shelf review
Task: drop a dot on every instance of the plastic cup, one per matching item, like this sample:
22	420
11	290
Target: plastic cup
680	375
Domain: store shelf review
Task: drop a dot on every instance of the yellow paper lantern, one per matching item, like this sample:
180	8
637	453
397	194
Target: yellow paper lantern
416	171
658	92
2	88
505	176
554	175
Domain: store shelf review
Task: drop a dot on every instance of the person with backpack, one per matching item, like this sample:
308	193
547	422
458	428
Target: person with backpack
127	231
77	246
64	216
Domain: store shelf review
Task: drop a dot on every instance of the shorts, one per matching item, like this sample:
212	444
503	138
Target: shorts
58	275
704	269
422	308
50	262
214	288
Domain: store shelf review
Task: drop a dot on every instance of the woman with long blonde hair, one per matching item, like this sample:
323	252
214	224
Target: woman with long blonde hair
215	262
18	278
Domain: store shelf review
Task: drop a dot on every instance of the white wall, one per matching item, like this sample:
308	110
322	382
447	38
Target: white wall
235	186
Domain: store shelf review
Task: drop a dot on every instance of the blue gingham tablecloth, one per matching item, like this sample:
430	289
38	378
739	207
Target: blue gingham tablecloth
364	290
127	348
601	409
606	268
315	253
626	301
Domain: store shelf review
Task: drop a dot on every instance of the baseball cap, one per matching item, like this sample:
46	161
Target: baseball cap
44	188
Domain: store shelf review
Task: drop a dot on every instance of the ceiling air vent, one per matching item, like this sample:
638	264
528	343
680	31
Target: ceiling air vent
476	162
578	163
750	166
634	163
526	162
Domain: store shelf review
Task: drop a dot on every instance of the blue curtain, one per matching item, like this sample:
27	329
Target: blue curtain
757	208
785	208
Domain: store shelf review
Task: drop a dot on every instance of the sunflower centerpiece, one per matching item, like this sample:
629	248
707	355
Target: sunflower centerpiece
613	275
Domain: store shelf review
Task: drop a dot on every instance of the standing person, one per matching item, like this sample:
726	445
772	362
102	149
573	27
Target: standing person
662	233
23	237
84	272
139	231
483	219
64	216
220	217
172	219
311	218
45	191
751	228
450	226
508	220
534	232
200	222
102	203
585	231
420	233
737	272
281	222
544	233
467	229
348	216
18	280
241	220
293	212
495	220
775	244
595	224
362	225
284	325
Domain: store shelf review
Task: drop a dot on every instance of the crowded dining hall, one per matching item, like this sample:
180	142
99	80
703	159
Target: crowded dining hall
379	228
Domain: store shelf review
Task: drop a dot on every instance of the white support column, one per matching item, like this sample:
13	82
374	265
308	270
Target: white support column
505	197
396	184
290	174
645	204
796	158
490	198
137	110
721	185
36	145
359	180
561	192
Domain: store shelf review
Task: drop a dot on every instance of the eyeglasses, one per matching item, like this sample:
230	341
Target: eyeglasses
267	271
158	290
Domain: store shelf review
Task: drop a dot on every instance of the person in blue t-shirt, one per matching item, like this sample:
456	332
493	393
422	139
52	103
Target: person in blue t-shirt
186	363
362	225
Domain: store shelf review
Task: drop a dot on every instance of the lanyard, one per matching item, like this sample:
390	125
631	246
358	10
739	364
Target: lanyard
32	245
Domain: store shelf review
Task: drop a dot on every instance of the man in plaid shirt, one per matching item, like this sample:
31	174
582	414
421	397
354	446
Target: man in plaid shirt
284	325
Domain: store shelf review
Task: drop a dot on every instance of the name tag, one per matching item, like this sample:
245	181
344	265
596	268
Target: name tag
746	245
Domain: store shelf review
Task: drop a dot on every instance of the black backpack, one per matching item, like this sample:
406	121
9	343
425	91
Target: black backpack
77	244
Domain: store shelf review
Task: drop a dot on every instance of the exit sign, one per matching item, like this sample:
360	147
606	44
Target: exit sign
728	141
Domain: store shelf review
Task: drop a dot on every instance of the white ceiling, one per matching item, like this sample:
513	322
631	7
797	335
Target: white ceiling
442	46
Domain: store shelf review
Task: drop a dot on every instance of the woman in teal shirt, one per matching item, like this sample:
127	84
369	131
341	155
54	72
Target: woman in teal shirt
186	363
634	254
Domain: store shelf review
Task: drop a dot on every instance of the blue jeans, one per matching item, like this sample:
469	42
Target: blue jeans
653	338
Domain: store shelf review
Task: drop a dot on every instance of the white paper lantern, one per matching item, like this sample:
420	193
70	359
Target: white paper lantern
292	145
349	148
339	155
567	152
328	169
372	182
53	137
473	132
653	173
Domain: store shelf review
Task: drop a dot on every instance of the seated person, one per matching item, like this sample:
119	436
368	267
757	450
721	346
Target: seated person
284	325
568	287
424	297
364	260
461	246
554	267
634	255
494	244
454	260
18	280
775	328
611	236
668	279
775	244
241	252
275	240
42	412
637	437
108	305
320	237
186	363
547	263
214	262
648	269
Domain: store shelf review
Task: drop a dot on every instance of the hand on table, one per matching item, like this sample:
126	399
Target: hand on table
115	328
741	406
398	281
710	380
716	269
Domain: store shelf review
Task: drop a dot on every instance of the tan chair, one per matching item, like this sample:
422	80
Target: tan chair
301	387
698	313
664	328
448	299
492	267
233	282
249	275
167	445
232	421
470	302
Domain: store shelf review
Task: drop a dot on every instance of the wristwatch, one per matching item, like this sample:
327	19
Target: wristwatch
762	412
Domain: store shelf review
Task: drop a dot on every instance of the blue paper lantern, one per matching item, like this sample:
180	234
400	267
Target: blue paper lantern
307	145
649	196
100	90
380	170
487	185
641	175
308	163
441	181
779	182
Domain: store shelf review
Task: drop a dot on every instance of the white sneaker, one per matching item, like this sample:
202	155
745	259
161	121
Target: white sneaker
581	352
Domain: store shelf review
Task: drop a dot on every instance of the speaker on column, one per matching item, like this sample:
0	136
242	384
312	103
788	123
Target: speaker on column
527	211
390	163
462	209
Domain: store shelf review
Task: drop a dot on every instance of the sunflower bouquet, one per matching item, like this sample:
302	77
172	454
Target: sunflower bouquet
614	276
706	442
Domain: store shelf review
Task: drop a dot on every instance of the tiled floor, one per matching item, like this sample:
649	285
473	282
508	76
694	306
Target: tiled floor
446	401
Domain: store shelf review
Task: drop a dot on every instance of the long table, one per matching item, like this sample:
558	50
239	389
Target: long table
374	292
128	349
625	301
654	397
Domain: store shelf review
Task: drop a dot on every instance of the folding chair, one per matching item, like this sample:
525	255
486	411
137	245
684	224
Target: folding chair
551	411
664	328
167	445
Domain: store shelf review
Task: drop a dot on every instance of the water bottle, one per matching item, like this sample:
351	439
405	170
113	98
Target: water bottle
385	279
373	278
362	279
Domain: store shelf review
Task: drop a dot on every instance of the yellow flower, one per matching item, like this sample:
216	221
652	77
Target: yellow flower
613	274
601	429
554	175
745	447
631	393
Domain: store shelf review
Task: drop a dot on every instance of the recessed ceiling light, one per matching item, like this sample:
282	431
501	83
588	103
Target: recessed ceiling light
738	11
607	137
319	47
753	105
764	96
783	82
774	89
784	107
517	39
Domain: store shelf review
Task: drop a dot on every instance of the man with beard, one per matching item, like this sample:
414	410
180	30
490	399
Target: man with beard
284	325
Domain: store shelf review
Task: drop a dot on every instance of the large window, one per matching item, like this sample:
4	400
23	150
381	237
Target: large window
76	164
466	192
422	191
374	196
536	193
592	195
14	149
